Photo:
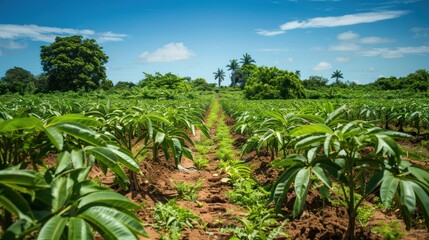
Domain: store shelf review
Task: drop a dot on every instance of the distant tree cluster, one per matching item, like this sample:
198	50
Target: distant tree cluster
165	81
417	81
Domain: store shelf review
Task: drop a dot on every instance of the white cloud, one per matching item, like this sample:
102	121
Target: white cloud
111	37
345	36
269	33
48	34
345	47
322	66
168	53
345	20
334	21
342	59
290	59
12	45
395	53
420	32
374	40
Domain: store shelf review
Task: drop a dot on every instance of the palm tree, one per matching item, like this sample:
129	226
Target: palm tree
247	59
219	75
233	66
337	74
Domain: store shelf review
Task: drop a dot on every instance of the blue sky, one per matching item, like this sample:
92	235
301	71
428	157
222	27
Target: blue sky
363	39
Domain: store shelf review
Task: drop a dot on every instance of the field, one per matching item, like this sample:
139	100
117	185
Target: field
213	166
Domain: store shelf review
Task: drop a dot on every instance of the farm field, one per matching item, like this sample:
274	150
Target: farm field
214	167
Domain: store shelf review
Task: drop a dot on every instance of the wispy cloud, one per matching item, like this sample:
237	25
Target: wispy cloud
374	40
12	45
268	33
346	36
420	32
345	20
322	66
48	34
334	21
111	37
168	53
345	47
396	53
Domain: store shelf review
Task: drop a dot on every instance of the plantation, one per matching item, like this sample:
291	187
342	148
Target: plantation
83	166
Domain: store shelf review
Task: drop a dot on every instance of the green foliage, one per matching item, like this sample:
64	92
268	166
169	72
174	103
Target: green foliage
188	191
202	85
315	82
201	162
389	231
18	80
165	81
64	204
272	83
172	218
260	223
74	63
246	192
417	81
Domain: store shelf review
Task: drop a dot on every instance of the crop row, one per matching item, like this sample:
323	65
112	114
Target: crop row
60	201
317	144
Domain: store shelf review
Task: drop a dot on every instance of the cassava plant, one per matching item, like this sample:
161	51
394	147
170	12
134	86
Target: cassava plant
361	158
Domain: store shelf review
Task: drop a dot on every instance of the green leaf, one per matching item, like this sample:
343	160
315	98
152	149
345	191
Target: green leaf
387	145
407	196
25	181
81	132
374	182
423	199
309	140
108	198
52	229
123	157
63	162
15	203
159	137
55	137
322	175
75	118
78	229
302	180
21	124
388	188
113	224
310	129
60	193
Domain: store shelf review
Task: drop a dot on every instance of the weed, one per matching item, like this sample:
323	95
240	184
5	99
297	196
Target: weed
200	162
172	218
390	231
188	191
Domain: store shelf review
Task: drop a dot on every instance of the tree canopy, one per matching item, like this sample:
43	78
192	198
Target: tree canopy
18	80
273	83
417	81
165	81
74	63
